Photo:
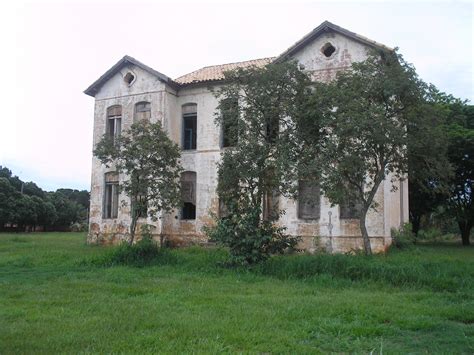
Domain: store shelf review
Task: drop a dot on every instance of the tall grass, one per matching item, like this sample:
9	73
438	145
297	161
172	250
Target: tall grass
399	269
404	273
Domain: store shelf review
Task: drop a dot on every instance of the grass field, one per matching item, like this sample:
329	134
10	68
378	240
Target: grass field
55	297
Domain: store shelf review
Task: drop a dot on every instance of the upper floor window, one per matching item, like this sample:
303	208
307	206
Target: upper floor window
142	111
309	199
272	129
111	195
230	115
189	126
188	195
114	121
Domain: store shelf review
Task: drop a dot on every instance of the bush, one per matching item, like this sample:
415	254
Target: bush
250	240
432	234
142	253
79	227
403	238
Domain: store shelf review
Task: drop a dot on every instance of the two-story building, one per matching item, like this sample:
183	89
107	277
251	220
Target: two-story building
185	106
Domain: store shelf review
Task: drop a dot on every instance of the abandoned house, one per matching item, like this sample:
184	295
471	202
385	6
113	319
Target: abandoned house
131	91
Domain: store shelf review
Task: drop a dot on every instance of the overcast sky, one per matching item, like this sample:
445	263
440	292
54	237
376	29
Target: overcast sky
52	51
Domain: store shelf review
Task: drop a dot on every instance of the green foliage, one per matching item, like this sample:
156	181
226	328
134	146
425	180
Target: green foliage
403	238
8	196
431	234
26	205
68	211
150	161
249	239
143	252
366	112
428	166
461	156
263	161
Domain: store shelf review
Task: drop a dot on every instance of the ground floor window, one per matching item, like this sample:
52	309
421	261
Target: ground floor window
188	195
111	195
309	199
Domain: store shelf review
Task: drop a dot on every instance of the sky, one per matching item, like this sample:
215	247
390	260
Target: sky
52	51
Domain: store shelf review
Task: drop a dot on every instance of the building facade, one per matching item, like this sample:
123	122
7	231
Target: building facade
185	106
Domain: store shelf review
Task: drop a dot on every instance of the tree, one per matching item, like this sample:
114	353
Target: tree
67	211
429	169
46	213
82	197
25	213
8	196
367	112
258	108
460	130
150	161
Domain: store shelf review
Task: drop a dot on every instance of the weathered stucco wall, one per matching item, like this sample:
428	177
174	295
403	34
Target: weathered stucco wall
166	107
117	92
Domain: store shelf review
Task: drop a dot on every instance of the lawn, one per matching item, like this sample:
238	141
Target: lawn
55	297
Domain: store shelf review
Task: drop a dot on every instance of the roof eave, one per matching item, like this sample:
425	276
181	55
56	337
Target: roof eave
325	27
94	88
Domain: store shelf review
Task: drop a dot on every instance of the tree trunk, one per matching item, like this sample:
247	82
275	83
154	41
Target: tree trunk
465	228
415	226
133	226
365	234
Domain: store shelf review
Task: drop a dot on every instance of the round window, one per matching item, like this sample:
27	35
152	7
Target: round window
129	78
328	49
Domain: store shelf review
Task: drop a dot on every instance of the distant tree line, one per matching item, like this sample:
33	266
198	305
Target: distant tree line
24	206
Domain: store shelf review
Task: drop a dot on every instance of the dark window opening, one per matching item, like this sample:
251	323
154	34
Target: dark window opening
189	126
188	211
111	195
309	200
328	50
190	136
230	116
114	122
272	130
128	78
188	195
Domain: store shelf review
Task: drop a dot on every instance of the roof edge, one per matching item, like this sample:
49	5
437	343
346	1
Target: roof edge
94	88
324	27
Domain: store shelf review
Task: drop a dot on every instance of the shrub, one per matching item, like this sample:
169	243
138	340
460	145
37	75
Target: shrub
79	227
250	240
403	238
432	234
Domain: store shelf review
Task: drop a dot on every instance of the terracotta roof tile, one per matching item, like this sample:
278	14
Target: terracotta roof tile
216	72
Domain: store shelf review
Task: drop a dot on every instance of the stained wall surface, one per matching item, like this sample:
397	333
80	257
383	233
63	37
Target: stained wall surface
327	232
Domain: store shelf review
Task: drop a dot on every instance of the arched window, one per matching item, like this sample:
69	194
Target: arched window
189	112
142	111
188	195
111	195
113	125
